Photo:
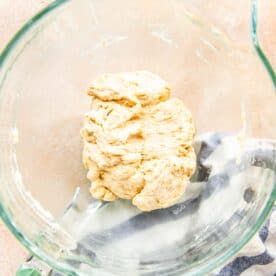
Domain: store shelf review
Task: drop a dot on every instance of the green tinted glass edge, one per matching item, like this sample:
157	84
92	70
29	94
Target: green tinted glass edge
62	267
256	43
27	271
3	213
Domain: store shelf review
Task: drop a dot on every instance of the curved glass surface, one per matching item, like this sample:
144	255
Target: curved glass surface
57	53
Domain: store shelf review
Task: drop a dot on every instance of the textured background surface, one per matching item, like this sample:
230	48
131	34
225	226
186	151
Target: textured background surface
231	16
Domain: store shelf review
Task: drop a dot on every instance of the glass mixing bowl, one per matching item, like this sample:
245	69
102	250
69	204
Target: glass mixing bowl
44	73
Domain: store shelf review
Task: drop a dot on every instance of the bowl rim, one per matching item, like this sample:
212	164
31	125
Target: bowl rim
216	262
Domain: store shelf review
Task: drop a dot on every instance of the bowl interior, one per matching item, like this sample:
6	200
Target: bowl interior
223	84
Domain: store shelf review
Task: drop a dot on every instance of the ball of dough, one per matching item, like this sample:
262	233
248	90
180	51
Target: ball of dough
138	142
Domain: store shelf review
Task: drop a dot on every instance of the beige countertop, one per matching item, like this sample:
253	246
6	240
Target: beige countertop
13	13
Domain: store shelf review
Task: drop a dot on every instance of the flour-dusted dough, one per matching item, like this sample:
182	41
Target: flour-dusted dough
137	141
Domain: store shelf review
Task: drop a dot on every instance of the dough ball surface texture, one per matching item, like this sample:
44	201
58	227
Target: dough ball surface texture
138	142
